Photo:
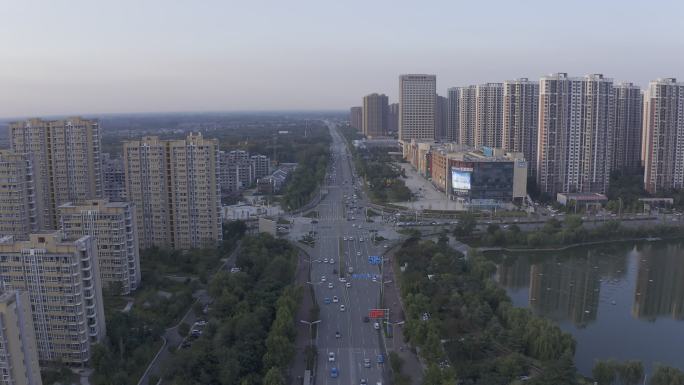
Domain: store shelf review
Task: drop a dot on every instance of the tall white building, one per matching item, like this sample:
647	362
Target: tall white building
521	119
576	126
488	114
18	351
63	285
664	136
417	93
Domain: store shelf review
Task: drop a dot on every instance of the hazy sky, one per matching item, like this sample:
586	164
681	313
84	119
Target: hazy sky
70	57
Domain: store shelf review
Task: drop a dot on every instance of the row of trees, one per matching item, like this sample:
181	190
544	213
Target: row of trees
632	373
571	230
248	339
457	315
312	163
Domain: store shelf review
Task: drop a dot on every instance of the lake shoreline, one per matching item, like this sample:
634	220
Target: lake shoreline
575	245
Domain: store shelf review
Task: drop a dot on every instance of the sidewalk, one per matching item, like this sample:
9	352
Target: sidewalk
302	341
412	366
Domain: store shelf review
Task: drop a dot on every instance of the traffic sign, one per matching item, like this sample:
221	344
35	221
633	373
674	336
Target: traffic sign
376	313
374	260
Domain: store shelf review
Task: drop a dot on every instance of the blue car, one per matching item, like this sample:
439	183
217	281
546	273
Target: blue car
327	301
381	358
333	372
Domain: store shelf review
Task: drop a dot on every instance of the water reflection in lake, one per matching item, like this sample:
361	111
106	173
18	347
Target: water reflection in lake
621	302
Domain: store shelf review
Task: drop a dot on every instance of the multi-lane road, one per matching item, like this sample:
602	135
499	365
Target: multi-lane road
358	341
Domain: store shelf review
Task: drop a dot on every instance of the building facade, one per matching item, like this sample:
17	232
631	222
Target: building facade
62	281
452	125
393	118
521	119
417	107
375	110
17	195
441	111
628	128
114	178
488	115
356	117
664	136
19	354
112	225
175	187
576	126
261	165
467	103
65	155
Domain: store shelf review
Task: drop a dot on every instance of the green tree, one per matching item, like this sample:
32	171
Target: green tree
466	225
631	372
183	329
604	372
666	375
274	377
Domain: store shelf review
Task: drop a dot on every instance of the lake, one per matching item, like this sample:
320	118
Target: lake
621	301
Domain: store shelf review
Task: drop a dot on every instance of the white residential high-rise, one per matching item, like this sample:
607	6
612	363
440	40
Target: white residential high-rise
576	126
175	187
520	119
17	195
112	225
467	103
65	156
417	93
19	353
63	285
488	115
628	128
664	136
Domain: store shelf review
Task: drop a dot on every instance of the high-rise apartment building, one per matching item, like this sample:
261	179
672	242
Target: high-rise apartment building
488	115
417	95
17	196
238	169
65	155
175	187
63	286
520	119
576	126
628	128
114	178
441	111
393	118
467	103
261	165
452	124
356	117
19	353
664	136
112	225
375	107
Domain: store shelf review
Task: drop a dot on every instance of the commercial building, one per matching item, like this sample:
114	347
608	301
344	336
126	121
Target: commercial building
114	178
356	117
19	353
17	195
520	119
63	285
112	225
488	115
664	136
375	110
393	119
441	117
628	128
453	124
175	187
467	103
65	156
576	126
417	94
483	177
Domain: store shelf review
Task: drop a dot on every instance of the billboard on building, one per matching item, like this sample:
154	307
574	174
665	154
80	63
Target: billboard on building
460	178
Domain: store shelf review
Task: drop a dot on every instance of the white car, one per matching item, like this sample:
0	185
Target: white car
342	308
358	253
331	356
348	284
325	260
344	239
353	224
351	238
335	299
376	326
332	261
330	285
375	279
322	278
342	279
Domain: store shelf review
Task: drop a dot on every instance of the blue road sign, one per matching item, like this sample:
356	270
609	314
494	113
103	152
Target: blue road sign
374	260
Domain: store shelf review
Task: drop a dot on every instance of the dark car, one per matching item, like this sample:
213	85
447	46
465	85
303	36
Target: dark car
366	319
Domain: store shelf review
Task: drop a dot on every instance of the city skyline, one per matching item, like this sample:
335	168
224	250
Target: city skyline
226	61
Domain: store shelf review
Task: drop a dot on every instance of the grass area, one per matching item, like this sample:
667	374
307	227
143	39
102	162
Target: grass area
311	214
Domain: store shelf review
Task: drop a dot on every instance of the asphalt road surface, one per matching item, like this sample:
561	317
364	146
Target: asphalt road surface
358	340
